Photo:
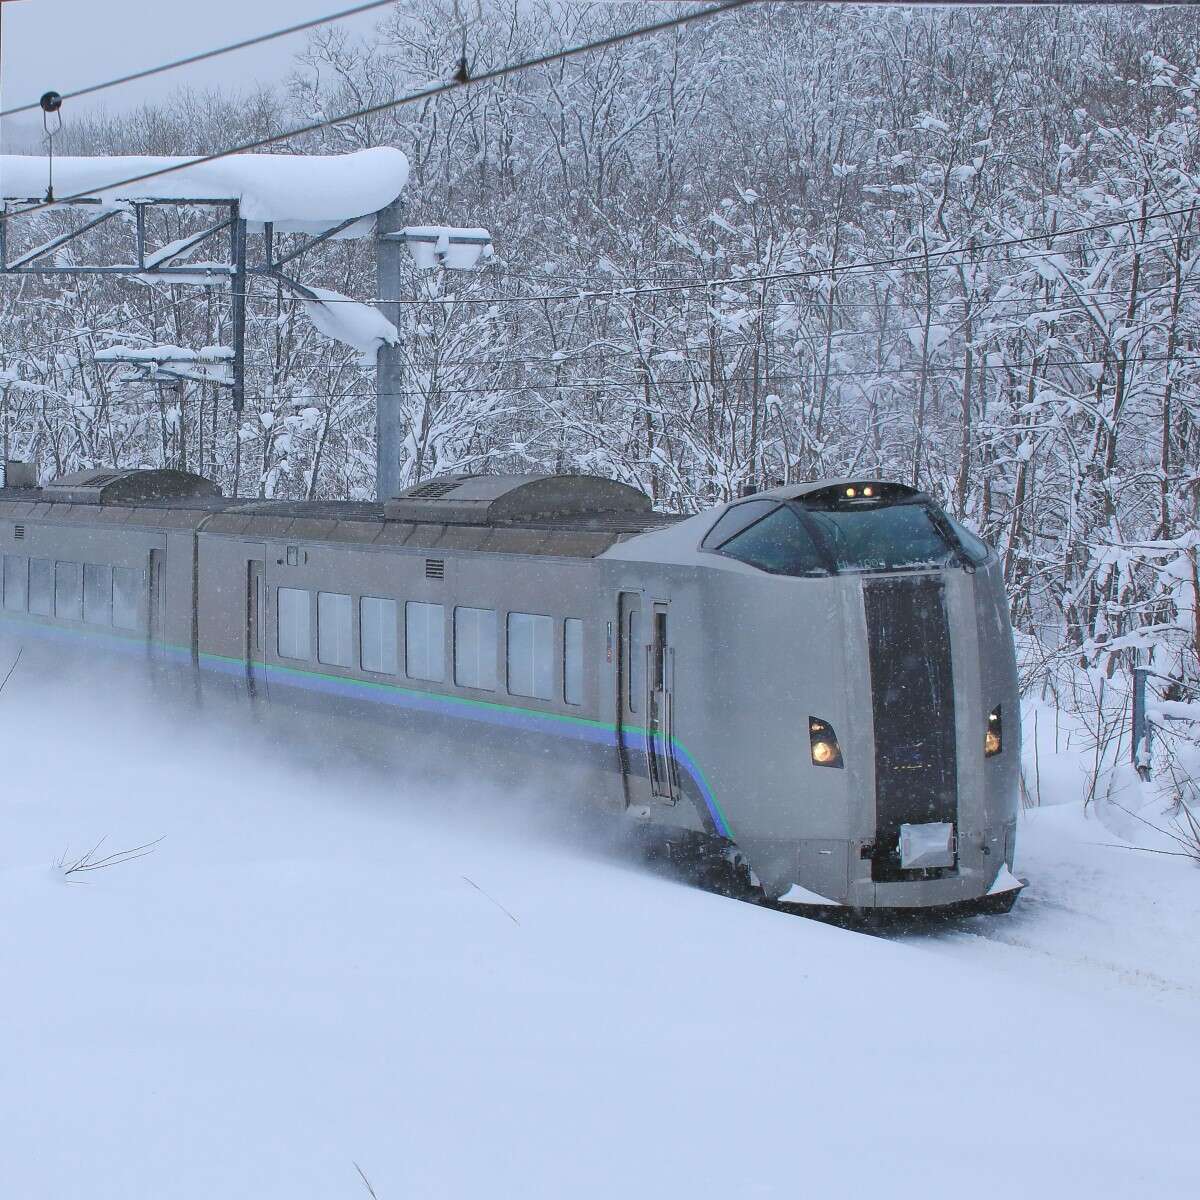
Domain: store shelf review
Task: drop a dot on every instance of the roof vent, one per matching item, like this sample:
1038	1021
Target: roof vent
102	480
514	500
19	532
435	568
435	489
113	486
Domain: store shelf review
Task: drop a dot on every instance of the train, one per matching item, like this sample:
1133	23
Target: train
811	689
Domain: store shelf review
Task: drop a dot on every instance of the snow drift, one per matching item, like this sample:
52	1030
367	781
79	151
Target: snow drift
316	969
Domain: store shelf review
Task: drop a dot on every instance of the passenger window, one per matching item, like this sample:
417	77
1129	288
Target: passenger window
295	624
335	630
128	587
531	656
779	543
68	591
97	594
573	660
425	641
377	622
16	582
41	587
475	648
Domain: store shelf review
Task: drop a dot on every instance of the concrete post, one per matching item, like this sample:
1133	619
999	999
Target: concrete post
389	253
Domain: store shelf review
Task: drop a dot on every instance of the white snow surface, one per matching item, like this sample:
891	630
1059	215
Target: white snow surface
298	193
299	977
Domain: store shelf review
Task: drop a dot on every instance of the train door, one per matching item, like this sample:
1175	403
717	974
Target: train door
256	609
154	605
630	686
646	685
660	700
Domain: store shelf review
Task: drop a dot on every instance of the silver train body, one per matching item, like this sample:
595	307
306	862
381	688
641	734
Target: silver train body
815	684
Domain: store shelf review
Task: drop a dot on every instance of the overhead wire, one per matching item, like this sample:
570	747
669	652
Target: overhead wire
657	354
849	269
921	259
428	93
205	55
695	381
734	281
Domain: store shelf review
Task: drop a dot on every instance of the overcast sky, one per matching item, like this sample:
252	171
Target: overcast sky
67	44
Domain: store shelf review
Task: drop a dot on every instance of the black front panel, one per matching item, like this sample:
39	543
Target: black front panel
913	704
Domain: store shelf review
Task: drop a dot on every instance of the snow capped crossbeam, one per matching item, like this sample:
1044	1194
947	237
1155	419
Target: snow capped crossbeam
306	193
164	354
172	364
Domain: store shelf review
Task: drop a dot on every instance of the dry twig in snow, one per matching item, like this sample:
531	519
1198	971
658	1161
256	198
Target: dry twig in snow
89	861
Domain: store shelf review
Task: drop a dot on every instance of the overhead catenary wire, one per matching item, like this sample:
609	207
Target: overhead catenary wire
576	354
423	94
919	259
205	55
881	373
656	354
734	281
820	303
370	5
844	270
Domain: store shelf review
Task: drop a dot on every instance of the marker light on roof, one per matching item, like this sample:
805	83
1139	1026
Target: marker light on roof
851	493
868	491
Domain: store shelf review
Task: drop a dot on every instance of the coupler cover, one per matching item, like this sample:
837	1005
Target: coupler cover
927	845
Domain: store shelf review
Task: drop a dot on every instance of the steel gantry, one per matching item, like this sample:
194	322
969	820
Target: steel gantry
429	246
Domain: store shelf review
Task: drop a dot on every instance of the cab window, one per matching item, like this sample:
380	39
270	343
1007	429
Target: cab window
779	543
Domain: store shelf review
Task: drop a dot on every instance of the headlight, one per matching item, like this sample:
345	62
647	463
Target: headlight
993	738
823	744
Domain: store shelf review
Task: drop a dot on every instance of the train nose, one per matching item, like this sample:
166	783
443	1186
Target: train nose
916	767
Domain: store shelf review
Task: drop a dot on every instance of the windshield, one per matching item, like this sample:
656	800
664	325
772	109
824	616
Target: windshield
882	539
788	540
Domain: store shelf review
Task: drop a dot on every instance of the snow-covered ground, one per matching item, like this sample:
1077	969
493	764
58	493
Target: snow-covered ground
312	971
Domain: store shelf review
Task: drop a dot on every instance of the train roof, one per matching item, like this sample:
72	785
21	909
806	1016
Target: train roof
574	516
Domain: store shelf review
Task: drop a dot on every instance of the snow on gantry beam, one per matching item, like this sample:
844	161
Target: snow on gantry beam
297	193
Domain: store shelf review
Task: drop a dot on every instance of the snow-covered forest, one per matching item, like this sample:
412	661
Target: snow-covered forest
957	248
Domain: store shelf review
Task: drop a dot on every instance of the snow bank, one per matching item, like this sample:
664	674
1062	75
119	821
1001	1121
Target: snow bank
298	193
350	321
303	975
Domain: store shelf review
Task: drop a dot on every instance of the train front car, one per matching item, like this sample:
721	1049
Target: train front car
846	679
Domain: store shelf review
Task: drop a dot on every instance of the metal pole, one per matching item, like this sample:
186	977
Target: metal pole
238	227
389	254
1139	749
